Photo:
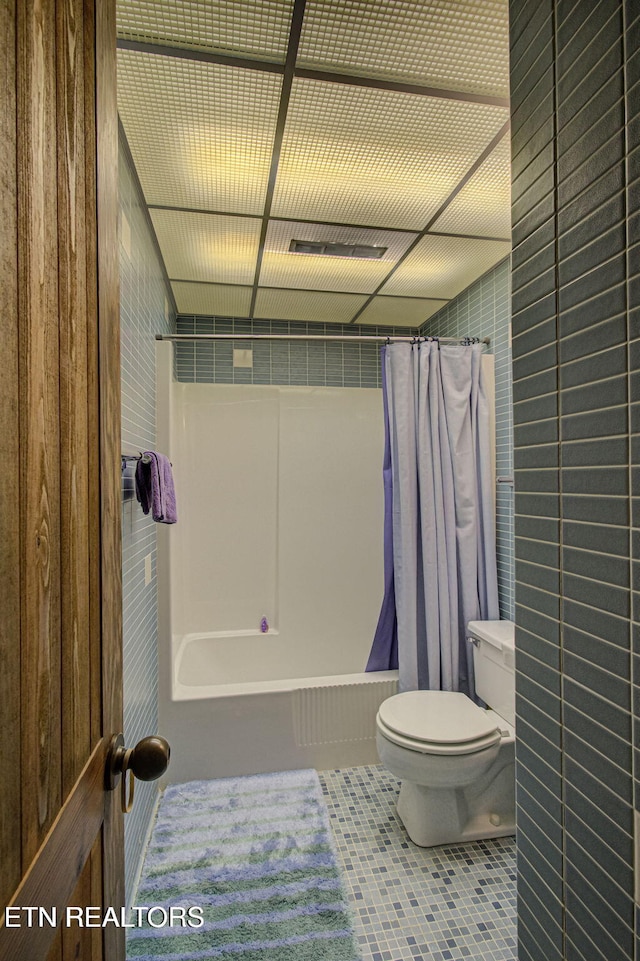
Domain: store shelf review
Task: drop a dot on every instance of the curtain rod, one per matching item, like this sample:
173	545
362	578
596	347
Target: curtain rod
346	339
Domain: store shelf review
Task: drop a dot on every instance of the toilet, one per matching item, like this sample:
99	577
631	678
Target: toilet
456	761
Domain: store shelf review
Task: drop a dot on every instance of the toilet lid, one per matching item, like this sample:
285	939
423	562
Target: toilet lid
436	717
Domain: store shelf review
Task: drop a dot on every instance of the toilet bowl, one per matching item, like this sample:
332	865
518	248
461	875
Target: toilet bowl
456	761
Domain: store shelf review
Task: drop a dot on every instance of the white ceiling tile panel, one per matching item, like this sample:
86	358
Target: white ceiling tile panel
483	206
443	266
201	135
280	268
461	45
252	28
207	246
399	311
212	299
376	157
307	305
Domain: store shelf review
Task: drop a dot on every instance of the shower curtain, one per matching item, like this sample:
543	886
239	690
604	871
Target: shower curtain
440	559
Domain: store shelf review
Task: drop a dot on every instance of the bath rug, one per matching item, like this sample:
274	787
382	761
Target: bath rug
256	854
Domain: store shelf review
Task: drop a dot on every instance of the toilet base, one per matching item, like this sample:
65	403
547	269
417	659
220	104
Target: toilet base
485	809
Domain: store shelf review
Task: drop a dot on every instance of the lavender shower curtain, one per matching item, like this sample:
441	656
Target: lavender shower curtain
440	562
384	651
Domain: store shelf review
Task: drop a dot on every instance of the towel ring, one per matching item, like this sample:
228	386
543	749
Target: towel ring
130	458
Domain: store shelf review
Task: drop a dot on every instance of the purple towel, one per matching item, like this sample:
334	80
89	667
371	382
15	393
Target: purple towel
154	487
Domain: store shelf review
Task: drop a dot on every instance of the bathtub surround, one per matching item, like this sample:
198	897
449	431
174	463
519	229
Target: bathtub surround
292	467
256	854
484	310
576	150
451	903
146	307
301	526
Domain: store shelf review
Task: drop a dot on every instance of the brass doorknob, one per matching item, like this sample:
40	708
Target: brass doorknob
150	758
147	761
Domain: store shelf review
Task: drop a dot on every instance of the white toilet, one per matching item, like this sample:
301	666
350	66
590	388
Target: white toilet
456	760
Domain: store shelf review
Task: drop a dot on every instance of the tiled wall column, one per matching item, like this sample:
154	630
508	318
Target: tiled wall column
572	90
632	197
146	308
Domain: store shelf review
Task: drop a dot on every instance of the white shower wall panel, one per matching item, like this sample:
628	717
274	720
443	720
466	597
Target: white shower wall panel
331	509
224	548
281	511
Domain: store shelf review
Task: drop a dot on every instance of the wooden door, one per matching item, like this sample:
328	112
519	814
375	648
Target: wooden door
61	831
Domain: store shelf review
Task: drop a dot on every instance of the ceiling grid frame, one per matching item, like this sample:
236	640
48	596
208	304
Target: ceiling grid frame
220	249
181	153
249	28
454	193
467	42
296	67
377	156
199	56
307	73
448	264
492	182
320	223
295	30
293	290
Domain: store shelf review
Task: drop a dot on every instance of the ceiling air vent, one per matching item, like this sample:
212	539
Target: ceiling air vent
323	249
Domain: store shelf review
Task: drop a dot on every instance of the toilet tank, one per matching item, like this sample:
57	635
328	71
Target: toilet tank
494	663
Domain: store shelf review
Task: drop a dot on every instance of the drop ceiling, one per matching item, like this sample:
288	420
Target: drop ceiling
374	122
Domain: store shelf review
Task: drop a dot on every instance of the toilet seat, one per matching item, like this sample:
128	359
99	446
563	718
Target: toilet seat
437	722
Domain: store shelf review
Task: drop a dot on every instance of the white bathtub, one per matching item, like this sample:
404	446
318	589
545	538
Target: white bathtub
280	517
254	721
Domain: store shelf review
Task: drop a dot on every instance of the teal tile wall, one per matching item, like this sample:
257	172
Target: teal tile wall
299	364
575	81
484	310
146	307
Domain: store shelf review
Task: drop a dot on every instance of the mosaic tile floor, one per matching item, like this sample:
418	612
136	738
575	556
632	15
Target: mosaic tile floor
418	904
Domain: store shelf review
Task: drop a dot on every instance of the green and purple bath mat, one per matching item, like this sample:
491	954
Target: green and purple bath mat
253	857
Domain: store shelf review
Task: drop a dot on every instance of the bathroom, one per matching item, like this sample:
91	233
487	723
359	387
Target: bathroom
588	686
571	785
548	278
